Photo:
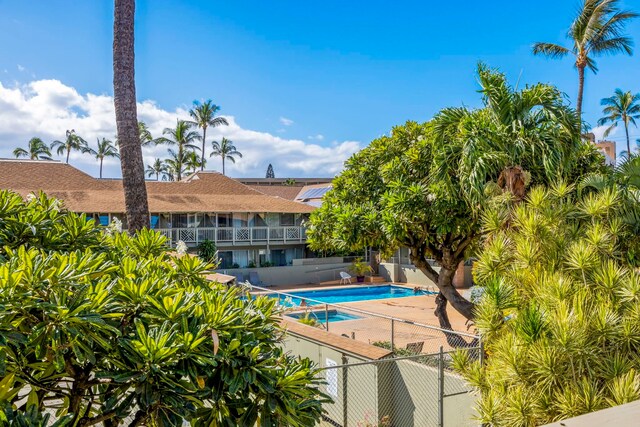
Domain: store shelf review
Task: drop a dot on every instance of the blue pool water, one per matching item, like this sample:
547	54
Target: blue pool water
321	316
352	294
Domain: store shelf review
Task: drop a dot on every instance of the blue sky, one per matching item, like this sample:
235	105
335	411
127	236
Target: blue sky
319	73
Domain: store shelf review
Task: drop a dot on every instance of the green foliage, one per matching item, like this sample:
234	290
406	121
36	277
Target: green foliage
360	268
309	321
106	327
207	251
559	317
425	186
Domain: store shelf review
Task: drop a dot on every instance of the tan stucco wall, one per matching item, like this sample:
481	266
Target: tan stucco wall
412	275
404	390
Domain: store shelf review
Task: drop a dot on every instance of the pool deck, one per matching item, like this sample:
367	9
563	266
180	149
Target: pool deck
369	329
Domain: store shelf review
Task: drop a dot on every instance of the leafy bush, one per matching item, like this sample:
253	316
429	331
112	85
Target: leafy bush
207	251
560	312
251	264
111	329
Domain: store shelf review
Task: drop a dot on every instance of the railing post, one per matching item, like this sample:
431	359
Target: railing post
233	235
284	234
441	388
392	334
326	316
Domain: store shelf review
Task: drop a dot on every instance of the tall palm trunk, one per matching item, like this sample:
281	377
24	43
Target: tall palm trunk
68	152
101	160
626	131
223	166
204	137
124	94
580	94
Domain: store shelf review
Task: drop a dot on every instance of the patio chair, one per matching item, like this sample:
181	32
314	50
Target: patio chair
345	278
239	278
415	347
254	279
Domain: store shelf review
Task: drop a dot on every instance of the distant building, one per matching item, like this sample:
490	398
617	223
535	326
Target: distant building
607	148
248	226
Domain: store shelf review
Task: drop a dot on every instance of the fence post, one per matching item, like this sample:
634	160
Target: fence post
326	316
441	389
481	351
392	334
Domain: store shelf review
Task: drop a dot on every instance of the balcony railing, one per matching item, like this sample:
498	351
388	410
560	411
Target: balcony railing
236	235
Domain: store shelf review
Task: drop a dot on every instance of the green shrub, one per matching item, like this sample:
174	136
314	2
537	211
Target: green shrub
207	251
107	327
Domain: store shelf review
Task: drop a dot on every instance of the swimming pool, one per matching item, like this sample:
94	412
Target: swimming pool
351	294
321	316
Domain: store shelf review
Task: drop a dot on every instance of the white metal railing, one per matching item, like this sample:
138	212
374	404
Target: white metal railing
236	235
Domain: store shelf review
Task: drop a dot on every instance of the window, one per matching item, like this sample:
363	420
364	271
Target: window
287	219
179	220
225	258
240	219
224	220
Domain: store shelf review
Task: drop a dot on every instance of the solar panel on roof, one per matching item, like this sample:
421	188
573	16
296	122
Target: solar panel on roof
315	193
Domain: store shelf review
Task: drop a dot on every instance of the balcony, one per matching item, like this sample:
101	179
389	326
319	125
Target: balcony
230	236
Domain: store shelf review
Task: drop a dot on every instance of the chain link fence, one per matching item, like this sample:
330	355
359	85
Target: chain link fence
411	391
403	336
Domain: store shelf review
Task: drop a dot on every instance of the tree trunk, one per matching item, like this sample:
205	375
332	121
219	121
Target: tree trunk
580	94
511	180
204	137
101	160
68	152
124	96
444	281
223	166
626	131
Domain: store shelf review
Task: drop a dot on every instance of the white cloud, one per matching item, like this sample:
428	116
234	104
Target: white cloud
20	68
47	108
599	132
318	137
285	121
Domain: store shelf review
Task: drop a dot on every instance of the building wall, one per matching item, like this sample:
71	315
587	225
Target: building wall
293	274
404	273
404	390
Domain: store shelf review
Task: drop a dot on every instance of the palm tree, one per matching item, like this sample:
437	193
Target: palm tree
517	133
622	107
37	150
193	161
226	150
124	98
145	135
105	149
597	30
203	117
183	138
158	168
72	142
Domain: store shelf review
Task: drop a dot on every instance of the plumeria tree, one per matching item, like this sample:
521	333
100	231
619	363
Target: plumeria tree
425	186
101	327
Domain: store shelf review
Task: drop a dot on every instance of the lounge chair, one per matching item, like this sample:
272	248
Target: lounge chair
415	347
345	278
239	278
